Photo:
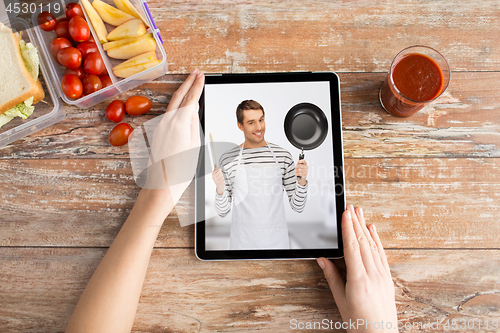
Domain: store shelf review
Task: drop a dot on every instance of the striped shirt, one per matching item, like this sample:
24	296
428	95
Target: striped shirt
297	194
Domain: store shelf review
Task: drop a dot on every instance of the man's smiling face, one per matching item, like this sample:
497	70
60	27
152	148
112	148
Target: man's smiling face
254	126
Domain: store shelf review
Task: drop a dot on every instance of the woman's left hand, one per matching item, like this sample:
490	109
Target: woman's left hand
176	140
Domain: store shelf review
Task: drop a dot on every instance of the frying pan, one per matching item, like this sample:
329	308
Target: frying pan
306	127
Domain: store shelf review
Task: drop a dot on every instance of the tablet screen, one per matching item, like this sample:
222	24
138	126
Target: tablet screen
272	182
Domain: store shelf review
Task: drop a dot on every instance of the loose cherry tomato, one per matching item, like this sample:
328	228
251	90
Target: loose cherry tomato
71	86
91	83
93	63
62	30
78	72
137	105
79	29
70	58
115	111
47	21
106	81
73	9
119	135
58	44
87	47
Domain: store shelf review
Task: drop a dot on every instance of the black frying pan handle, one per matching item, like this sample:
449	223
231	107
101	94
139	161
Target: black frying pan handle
301	157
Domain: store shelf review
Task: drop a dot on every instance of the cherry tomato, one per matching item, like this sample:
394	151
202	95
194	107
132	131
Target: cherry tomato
62	19
93	63
87	47
58	44
137	105
91	83
91	38
47	21
62	30
119	135
115	111
70	58
73	9
71	86
106	81
79	29
78	72
104	71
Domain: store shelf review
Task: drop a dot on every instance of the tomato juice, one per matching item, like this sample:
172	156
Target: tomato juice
414	81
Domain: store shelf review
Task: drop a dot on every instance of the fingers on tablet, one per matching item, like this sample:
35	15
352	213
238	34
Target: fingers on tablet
380	248
181	92
193	95
364	242
185	88
354	263
373	245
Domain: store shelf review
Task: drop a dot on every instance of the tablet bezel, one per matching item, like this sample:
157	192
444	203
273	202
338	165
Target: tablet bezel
338	158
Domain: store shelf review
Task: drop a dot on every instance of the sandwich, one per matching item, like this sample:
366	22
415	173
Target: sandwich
20	88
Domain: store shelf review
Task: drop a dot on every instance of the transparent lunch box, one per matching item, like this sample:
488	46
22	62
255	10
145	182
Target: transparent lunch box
51	109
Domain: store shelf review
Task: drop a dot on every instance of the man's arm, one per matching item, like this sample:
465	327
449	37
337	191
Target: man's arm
297	193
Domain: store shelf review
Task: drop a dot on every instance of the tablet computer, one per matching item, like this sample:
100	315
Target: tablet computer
273	184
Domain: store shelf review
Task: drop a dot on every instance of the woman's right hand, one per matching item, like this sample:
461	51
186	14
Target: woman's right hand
368	294
218	178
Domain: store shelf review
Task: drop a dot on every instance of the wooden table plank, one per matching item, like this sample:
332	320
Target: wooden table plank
40	287
465	122
416	203
354	36
75	203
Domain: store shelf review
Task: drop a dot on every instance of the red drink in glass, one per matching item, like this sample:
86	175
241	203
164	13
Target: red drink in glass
418	75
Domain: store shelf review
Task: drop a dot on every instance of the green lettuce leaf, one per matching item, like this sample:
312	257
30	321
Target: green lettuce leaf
30	57
23	110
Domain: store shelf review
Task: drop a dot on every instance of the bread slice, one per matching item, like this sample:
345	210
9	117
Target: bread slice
39	93
16	84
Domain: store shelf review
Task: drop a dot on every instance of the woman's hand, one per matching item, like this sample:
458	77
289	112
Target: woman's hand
368	294
109	302
176	140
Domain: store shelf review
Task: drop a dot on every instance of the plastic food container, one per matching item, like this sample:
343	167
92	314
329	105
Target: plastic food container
51	109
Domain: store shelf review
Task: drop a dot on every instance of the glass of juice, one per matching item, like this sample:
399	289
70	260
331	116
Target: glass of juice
418	75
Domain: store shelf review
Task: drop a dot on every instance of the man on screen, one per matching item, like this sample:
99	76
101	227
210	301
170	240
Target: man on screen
251	180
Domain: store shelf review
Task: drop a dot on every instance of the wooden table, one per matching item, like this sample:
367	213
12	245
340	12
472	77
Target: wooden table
429	182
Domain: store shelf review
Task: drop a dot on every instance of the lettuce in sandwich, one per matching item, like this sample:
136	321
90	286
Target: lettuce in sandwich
31	60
